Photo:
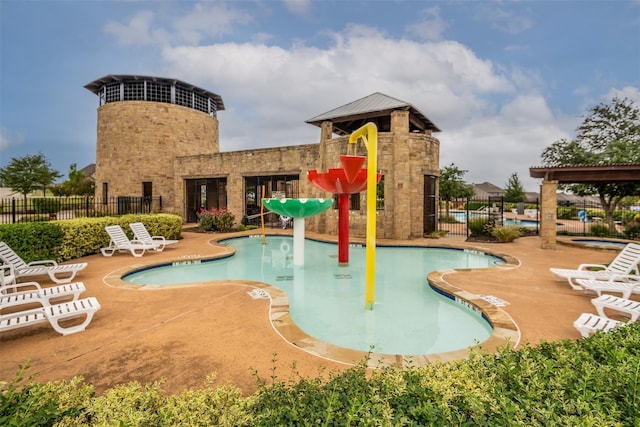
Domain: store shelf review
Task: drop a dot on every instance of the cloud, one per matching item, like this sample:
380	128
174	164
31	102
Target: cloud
630	92
494	119
502	19
136	31
9	139
210	20
431	27
298	7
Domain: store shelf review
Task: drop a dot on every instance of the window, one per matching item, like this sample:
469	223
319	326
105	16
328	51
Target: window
147	190
133	91
380	194
105	193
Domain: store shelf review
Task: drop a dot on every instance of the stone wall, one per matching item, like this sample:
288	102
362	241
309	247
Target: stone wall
137	142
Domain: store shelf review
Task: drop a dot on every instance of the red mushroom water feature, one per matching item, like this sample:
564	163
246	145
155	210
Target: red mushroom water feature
351	178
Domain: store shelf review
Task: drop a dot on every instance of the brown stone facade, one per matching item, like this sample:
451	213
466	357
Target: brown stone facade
137	142
167	145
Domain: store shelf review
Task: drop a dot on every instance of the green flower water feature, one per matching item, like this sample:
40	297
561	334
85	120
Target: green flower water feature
298	209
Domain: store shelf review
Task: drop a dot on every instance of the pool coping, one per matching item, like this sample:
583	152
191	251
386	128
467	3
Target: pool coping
570	241
505	331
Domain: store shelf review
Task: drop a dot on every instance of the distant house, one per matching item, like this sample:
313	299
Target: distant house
89	172
486	190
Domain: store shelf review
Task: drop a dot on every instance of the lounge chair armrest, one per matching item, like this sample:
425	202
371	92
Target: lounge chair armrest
158	238
16	287
48	262
590	266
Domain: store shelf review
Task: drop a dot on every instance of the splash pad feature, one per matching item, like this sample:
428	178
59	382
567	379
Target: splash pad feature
298	209
352	179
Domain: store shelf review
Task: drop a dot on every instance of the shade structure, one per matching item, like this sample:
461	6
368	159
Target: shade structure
298	209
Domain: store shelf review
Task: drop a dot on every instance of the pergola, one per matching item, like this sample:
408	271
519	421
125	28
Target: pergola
576	174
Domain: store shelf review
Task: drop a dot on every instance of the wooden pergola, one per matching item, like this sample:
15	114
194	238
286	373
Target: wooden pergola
577	174
588	174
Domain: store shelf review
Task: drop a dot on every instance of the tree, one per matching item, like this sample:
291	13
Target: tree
76	185
25	174
609	135
514	191
452	186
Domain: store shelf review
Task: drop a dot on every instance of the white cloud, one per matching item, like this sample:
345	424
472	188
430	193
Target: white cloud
502	19
9	139
136	31
494	120
431	27
204	20
298	7
631	92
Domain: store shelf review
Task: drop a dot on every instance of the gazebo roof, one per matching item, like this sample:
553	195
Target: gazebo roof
96	85
375	107
588	174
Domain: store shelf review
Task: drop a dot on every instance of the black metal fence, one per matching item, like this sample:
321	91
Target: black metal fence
581	218
15	209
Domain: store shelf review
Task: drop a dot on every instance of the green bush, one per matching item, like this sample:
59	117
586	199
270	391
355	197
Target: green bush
481	226
506	234
600	230
74	238
46	205
587	382
632	230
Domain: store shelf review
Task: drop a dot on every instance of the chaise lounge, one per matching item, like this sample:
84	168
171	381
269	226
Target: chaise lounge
58	273
622	305
141	234
120	243
12	293
54	314
600	286
622	268
588	324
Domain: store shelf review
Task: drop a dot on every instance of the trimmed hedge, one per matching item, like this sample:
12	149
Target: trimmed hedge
587	382
74	238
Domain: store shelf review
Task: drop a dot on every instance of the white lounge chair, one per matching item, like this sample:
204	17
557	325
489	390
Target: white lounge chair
141	234
588	324
12	292
600	286
622	305
623	265
59	273
121	243
54	314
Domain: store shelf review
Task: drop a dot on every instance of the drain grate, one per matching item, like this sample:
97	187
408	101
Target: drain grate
343	276
283	278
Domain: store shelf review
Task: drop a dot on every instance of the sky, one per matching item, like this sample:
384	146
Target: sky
501	79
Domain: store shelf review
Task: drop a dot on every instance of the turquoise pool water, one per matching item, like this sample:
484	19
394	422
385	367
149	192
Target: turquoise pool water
327	301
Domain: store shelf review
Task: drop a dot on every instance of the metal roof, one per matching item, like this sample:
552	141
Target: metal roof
96	85
346	117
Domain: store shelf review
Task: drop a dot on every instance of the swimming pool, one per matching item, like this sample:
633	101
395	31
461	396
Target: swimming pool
529	223
327	301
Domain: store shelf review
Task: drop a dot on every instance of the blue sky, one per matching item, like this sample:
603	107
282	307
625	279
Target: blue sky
501	79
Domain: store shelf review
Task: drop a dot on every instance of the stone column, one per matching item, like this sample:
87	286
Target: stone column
548	214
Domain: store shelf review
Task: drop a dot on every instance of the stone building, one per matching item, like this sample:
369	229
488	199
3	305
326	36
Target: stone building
159	137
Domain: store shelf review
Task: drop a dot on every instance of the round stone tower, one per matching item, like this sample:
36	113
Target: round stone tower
143	124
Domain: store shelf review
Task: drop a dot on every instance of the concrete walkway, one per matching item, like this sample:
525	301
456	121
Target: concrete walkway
186	333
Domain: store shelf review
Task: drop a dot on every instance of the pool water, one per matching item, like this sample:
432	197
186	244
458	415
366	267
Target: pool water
327	301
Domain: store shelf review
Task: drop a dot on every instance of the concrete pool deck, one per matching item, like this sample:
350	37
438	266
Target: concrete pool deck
183	334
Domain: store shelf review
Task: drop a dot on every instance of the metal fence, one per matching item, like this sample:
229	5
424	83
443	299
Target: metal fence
51	208
582	218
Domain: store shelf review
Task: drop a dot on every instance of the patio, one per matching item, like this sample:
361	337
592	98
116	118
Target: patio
184	334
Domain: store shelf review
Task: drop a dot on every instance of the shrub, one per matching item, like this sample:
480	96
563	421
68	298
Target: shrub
599	230
215	219
480	226
46	205
506	234
632	230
